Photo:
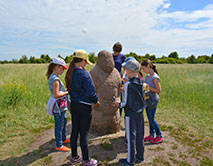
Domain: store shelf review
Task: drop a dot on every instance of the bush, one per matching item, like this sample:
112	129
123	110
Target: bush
12	92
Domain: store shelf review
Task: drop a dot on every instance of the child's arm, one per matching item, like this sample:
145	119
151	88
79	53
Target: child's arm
157	88
123	103
56	92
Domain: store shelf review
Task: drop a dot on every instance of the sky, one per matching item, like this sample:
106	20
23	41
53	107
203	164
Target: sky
53	27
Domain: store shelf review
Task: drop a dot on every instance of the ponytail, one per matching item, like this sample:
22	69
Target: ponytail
149	62
154	68
68	77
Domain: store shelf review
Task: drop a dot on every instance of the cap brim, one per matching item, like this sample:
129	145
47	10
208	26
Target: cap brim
65	67
88	62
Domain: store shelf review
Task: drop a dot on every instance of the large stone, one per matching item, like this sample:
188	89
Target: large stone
107	80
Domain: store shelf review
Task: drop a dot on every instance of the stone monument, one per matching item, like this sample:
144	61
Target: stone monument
107	81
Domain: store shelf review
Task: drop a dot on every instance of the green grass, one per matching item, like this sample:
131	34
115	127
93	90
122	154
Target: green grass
185	102
186	98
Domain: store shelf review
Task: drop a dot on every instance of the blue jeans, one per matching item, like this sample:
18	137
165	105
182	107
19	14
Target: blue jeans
153	125
60	127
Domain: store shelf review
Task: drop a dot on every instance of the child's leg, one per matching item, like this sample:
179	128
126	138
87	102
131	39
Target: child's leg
75	128
64	126
58	129
154	123
151	123
85	120
131	138
140	136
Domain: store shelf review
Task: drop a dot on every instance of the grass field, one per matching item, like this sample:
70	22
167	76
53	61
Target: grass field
185	101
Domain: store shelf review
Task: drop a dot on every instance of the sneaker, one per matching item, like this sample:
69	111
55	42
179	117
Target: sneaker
138	160
63	148
125	162
91	162
148	138
157	140
74	160
66	141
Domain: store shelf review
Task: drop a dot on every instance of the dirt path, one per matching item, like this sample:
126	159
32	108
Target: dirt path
107	149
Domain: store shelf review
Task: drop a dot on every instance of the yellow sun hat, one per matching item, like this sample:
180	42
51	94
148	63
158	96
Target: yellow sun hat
82	54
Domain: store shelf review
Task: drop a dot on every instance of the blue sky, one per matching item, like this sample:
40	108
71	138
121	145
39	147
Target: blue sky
55	27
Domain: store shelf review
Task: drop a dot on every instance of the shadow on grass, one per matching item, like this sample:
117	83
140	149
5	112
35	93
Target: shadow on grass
30	157
42	151
105	151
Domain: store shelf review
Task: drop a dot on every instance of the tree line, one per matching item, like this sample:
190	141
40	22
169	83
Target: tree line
172	58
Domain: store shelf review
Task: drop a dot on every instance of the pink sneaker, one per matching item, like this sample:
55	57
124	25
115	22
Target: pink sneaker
148	138
157	140
91	162
75	160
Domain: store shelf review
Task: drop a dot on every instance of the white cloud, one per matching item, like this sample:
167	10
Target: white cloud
65	25
166	5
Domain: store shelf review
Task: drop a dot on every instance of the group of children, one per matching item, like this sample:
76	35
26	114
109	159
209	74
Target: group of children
82	94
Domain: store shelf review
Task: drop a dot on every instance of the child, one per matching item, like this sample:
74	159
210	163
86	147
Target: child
82	95
55	69
125	78
118	60
133	104
153	80
118	57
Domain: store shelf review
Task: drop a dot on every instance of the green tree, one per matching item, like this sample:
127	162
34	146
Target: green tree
173	55
92	57
203	59
47	58
137	57
211	59
23	59
68	59
32	59
147	56
191	59
152	57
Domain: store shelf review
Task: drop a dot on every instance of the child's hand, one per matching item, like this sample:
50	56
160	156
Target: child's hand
117	103
145	87
97	104
122	89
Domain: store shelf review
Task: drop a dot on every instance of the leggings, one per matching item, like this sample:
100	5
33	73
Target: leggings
81	119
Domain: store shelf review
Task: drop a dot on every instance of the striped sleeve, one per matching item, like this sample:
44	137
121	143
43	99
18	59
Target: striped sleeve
123	103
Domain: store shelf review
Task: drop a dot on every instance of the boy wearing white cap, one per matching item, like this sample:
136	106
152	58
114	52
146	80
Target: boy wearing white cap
134	104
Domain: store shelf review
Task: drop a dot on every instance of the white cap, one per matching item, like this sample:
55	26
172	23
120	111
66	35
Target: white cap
59	61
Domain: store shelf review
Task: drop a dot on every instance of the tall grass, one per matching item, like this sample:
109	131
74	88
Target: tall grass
24	93
185	101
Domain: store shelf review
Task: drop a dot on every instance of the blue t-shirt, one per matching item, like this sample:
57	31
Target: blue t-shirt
118	61
149	81
153	100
